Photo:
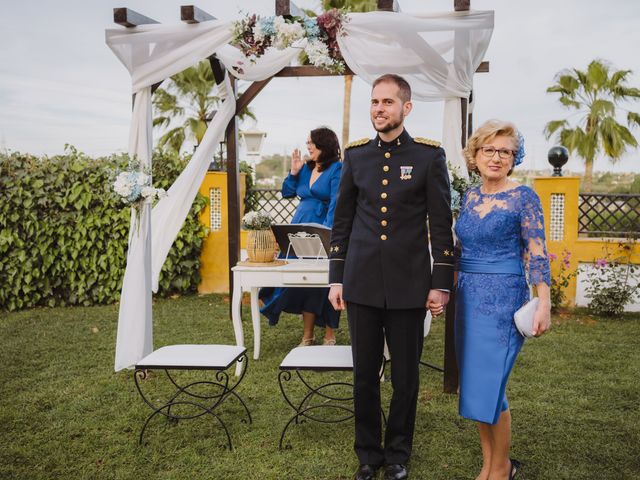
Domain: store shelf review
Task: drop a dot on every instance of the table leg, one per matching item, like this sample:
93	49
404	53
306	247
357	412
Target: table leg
255	318
236	300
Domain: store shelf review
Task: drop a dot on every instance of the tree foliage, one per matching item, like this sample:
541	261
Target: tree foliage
595	98
185	106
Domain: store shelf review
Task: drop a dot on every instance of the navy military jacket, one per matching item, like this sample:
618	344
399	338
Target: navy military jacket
380	237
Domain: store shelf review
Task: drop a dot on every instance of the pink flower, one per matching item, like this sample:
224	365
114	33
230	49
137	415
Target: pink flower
601	263
552	257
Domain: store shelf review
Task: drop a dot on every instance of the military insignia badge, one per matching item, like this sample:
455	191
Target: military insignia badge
405	172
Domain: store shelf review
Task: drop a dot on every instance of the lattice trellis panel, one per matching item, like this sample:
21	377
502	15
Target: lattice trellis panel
271	201
556	224
609	214
215	206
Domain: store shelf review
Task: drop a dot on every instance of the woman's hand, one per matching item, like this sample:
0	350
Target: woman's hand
542	318
296	162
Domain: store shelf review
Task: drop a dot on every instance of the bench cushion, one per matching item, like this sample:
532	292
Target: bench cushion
320	357
213	357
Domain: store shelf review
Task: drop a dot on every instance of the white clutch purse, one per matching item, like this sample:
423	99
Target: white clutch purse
523	317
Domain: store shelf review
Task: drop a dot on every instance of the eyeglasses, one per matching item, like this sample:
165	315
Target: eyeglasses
503	153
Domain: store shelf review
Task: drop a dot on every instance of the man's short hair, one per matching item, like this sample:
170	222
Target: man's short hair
403	86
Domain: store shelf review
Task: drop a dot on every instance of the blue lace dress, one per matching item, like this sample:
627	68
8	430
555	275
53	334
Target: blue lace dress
500	242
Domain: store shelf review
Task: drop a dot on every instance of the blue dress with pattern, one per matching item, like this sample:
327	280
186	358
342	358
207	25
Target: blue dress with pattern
317	205
500	243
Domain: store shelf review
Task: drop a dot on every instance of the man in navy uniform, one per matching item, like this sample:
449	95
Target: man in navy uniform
380	269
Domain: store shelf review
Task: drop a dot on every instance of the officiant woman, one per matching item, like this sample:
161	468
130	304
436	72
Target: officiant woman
315	182
501	236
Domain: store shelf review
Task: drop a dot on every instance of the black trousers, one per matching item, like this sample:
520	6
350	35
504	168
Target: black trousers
404	332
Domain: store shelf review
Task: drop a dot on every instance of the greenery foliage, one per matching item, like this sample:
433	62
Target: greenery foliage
64	232
613	283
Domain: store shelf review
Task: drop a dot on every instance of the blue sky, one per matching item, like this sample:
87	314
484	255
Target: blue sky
59	83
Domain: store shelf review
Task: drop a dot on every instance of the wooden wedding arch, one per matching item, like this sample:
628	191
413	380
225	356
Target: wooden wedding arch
192	14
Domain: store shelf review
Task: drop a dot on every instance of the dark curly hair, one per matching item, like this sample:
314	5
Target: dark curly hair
327	142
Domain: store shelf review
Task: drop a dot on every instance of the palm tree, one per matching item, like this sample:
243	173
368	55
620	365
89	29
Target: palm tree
353	6
594	95
188	98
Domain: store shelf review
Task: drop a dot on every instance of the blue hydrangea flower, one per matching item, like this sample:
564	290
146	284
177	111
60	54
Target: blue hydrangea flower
267	26
520	153
311	27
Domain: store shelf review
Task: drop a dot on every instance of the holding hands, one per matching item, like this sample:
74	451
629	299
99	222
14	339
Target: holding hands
296	162
436	301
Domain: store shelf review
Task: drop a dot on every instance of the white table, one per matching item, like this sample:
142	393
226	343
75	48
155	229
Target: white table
296	273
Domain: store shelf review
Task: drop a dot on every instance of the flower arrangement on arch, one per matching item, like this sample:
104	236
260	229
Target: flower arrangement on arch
254	35
258	220
133	187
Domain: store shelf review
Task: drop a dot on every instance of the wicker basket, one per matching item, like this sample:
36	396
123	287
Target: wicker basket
261	246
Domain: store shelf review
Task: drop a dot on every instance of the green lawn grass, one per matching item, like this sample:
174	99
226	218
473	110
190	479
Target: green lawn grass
65	414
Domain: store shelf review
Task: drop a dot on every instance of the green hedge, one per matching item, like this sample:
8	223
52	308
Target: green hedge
63	234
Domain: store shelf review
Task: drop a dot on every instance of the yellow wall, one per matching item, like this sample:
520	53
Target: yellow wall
581	249
214	266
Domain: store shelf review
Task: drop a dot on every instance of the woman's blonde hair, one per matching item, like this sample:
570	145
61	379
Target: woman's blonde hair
487	131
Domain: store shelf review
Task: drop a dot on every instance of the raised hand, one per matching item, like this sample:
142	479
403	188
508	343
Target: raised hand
296	162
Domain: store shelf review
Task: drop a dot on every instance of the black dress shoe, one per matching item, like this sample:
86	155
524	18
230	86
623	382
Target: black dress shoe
395	471
366	472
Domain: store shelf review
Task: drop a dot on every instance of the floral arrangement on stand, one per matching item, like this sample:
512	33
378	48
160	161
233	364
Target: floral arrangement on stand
133	187
253	35
613	283
261	243
258	220
560	281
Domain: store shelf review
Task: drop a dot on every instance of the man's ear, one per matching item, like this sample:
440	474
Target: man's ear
406	108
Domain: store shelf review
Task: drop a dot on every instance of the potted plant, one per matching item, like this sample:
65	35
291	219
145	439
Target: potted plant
261	243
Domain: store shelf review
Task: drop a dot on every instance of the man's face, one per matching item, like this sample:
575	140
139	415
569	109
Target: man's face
387	109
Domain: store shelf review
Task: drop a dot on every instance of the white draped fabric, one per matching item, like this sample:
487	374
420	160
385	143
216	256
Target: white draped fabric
437	54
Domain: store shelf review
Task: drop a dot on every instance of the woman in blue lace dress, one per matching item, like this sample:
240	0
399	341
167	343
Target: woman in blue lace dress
501	242
316	184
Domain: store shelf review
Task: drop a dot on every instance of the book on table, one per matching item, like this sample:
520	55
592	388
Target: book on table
304	240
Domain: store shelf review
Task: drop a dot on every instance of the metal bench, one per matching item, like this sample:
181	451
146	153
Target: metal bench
196	398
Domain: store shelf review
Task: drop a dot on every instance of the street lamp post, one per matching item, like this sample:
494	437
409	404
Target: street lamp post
253	140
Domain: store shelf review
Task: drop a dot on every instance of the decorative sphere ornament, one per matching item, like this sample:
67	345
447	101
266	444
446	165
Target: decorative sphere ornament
558	157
